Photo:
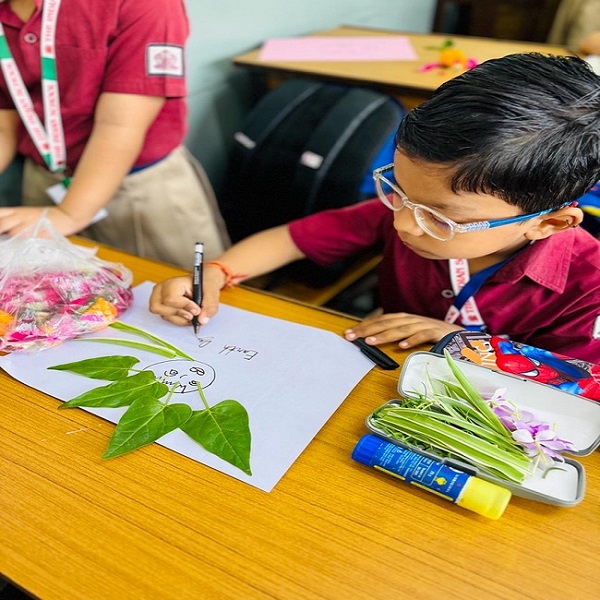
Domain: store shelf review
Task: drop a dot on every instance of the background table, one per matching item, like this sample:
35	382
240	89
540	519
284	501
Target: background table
401	79
154	524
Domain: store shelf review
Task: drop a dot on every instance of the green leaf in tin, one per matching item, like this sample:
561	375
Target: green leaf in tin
473	396
121	392
145	421
450	418
223	430
431	431
109	368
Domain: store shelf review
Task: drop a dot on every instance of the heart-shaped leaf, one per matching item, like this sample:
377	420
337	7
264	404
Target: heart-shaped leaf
110	368
144	422
223	430
120	393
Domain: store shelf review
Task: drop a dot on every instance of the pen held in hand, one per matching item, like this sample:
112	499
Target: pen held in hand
197	281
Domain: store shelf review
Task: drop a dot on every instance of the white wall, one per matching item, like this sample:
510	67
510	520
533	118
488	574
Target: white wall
221	94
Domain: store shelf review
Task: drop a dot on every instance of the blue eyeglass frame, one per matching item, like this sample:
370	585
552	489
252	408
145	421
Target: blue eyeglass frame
455	227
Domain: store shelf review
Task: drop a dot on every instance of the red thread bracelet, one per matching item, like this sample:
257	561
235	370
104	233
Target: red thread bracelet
230	278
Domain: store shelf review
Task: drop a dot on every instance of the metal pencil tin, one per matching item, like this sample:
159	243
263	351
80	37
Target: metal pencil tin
575	418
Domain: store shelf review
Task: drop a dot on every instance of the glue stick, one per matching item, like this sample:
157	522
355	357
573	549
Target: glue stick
466	490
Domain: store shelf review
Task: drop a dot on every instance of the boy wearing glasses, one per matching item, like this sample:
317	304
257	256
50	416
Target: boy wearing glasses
475	219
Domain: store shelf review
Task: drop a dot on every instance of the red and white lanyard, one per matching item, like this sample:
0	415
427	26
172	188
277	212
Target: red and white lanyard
459	278
49	138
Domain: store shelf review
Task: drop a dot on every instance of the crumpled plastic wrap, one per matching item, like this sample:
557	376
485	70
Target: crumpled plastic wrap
52	290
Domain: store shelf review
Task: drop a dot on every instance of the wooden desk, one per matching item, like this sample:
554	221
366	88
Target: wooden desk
401	79
154	524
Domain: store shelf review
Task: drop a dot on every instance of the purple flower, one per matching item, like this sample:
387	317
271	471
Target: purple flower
541	442
539	439
506	411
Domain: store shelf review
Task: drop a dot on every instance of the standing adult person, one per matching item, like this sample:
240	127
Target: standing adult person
575	21
92	93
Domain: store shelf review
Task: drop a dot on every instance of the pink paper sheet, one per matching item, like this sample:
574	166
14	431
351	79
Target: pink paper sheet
353	48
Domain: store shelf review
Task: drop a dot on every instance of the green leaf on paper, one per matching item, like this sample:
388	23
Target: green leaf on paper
145	421
110	368
121	392
150	336
223	430
130	344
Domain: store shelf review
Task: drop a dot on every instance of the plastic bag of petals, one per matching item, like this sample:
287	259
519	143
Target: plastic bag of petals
52	290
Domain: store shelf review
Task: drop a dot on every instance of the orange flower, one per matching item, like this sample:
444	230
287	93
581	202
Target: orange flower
102	306
5	320
452	56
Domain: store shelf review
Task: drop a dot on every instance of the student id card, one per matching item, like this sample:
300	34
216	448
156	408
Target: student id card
57	193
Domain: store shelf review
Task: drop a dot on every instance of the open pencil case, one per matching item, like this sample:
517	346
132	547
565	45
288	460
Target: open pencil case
575	418
501	354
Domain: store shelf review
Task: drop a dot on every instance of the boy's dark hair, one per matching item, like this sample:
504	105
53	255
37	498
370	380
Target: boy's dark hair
524	128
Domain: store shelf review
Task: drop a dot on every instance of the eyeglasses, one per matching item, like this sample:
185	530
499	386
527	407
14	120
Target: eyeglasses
429	220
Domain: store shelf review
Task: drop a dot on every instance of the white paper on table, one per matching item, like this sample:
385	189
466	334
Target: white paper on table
290	378
594	61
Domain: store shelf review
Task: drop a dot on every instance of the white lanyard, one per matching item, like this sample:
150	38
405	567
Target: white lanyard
459	277
49	138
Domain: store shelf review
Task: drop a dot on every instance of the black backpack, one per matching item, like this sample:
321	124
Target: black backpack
306	146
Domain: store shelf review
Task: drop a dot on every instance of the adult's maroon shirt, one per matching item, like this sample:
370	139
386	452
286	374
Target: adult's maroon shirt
119	46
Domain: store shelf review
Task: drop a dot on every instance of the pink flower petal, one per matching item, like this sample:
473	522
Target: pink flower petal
429	67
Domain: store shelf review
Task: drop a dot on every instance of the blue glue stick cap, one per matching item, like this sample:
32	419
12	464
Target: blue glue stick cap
365	449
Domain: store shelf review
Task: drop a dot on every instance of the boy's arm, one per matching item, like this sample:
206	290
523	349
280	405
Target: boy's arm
9	125
260	253
256	255
120	125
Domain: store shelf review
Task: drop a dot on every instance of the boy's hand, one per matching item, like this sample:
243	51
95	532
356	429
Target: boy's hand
172	299
406	329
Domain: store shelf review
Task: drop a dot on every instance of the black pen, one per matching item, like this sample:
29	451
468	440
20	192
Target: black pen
379	357
197	281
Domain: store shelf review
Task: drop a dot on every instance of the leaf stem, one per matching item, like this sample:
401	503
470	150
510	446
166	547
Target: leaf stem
143	333
202	396
132	344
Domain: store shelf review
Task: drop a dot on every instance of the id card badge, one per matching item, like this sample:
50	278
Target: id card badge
57	193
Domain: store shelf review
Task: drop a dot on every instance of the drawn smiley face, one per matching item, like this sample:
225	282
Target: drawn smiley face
185	374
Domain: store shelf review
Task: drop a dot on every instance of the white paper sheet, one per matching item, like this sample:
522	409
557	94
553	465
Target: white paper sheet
594	62
289	377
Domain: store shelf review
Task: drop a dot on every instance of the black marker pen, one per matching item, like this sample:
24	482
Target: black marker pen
373	353
197	280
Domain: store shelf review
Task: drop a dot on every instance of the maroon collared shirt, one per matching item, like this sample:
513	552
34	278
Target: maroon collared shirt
119	46
547	296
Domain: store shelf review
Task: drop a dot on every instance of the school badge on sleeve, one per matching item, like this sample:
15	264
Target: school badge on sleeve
164	59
